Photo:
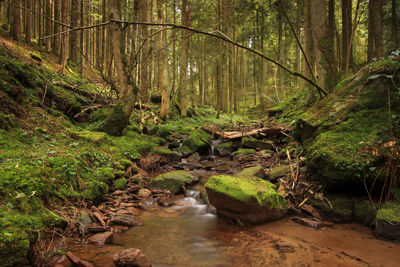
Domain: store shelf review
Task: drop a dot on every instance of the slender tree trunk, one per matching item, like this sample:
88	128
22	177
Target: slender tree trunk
64	37
378	27
119	117
16	27
74	37
49	25
162	66
28	22
395	33
143	9
56	27
346	30
184	58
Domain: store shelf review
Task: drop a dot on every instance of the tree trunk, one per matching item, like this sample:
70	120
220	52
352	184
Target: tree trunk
49	25
16	21
56	27
74	37
119	117
346	31
184	58
64	37
143	9
162	66
323	46
395	33
28	22
378	28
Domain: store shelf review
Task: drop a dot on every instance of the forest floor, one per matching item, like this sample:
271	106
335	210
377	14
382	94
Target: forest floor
62	182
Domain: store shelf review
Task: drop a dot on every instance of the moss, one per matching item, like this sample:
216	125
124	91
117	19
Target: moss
396	194
247	189
6	121
225	145
389	212
256	171
94	137
119	174
197	141
115	123
169	154
125	163
245	151
172	181
95	190
364	212
106	174
120	183
279	171
36	56
339	206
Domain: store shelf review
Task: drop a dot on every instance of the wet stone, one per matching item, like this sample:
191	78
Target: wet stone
144	193
101	239
130	257
124	219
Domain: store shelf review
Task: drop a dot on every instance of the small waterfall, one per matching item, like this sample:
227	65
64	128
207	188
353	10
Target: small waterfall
213	144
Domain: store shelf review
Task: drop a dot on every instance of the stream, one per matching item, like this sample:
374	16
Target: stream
190	234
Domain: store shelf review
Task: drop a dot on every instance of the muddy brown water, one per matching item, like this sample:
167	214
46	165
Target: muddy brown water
186	234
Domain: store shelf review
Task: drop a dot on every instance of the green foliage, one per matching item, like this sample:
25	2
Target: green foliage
120	183
244	151
389	212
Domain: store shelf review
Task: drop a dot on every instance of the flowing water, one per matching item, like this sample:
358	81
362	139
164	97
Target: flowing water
189	234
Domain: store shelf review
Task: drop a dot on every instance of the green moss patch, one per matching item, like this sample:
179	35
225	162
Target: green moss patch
172	181
244	151
247	189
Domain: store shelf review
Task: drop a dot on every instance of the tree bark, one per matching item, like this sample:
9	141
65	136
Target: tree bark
49	24
346	31
56	27
162	66
119	117
28	22
74	37
143	9
16	27
184	59
395	33
64	37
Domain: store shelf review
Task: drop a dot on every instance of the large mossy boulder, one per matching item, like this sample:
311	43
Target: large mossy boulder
172	181
251	142
225	148
279	171
197	141
250	200
171	156
387	224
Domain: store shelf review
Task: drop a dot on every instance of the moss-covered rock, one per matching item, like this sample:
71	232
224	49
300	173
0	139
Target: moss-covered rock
225	148
387	224
171	156
197	141
279	171
251	142
94	137
364	212
120	183
248	199
172	181
244	151
256	171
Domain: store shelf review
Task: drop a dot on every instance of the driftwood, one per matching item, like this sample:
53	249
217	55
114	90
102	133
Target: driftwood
237	134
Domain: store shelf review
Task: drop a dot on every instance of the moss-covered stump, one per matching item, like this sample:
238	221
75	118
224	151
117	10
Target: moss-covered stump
172	181
197	141
251	142
364	212
256	171
247	199
338	208
94	137
387	225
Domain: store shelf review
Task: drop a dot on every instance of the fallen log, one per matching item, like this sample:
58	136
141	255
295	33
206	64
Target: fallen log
275	131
